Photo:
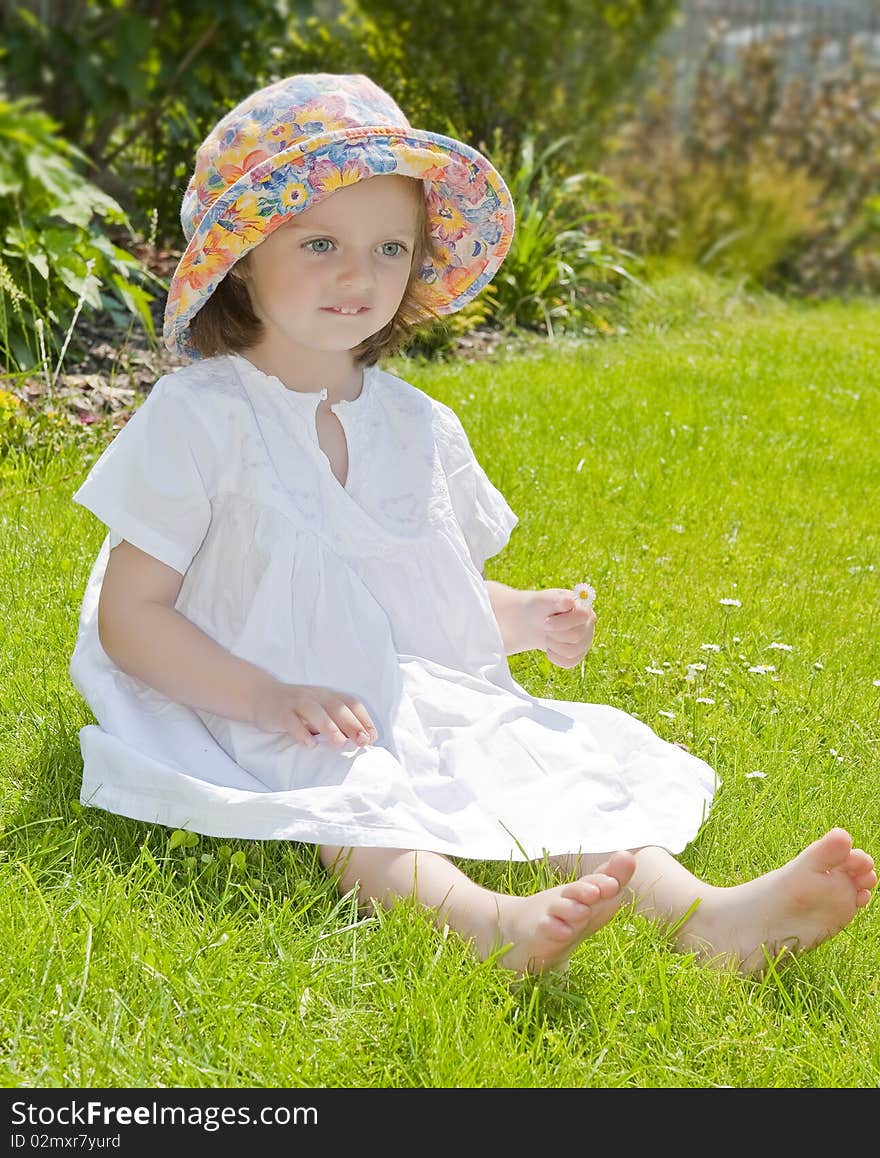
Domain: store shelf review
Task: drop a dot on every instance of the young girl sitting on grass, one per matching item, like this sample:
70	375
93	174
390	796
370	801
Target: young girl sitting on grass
287	633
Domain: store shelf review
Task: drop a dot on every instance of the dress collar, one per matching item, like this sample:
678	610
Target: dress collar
308	399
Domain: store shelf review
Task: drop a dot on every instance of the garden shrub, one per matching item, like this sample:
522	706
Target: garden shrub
777	182
563	267
54	257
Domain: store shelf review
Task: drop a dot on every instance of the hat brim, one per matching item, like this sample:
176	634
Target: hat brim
470	214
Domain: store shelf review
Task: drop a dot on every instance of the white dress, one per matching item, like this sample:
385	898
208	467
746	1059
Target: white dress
374	589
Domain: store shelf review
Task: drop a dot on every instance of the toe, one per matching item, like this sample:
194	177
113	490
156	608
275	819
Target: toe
569	910
621	866
830	851
859	862
585	892
608	886
554	928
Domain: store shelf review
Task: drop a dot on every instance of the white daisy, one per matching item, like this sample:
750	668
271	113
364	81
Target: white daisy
584	593
730	602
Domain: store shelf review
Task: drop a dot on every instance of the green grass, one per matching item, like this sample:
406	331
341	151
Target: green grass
720	449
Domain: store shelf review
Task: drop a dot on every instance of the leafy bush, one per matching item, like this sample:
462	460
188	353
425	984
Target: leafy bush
151	78
54	258
562	268
137	85
562	272
519	68
780	183
441	338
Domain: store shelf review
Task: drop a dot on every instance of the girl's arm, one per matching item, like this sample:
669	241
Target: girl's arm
145	637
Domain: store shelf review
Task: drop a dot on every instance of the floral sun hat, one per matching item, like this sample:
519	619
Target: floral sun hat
288	146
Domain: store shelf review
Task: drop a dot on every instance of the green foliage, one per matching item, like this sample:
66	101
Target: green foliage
137	85
562	269
54	256
13	423
33	435
778	183
524	69
563	272
150	79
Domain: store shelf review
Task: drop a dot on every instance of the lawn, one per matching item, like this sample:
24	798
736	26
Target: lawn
714	473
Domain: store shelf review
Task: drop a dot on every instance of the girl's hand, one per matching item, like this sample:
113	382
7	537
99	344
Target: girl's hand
561	624
305	711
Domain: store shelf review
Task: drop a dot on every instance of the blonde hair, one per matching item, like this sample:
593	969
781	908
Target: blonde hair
227	324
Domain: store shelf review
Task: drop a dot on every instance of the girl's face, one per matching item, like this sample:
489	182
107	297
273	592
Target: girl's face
335	273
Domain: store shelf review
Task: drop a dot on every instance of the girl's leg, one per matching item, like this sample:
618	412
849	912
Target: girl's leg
542	930
794	907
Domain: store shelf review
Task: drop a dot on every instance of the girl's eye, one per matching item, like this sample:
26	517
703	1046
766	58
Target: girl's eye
324	245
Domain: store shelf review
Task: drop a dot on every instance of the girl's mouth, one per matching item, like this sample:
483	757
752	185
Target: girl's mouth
345	311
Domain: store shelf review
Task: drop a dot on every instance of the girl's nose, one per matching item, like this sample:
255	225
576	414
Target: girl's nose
356	271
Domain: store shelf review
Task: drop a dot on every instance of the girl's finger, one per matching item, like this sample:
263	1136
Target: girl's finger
353	718
301	732
321	723
571	641
353	727
333	732
572	635
365	721
358	710
560	660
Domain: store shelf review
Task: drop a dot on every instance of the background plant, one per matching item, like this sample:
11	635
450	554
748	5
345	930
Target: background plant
149	77
777	181
563	268
136	86
54	252
521	69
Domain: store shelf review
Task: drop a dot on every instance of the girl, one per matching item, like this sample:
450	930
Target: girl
287	633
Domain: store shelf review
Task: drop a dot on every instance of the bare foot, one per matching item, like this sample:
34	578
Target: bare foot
545	929
792	908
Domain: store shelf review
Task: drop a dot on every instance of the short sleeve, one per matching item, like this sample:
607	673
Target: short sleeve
148	486
481	510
